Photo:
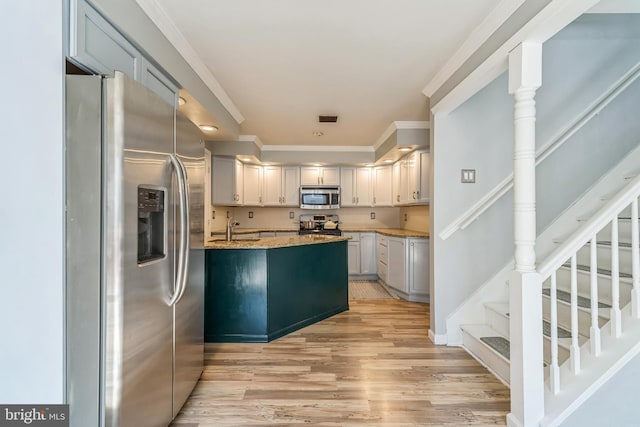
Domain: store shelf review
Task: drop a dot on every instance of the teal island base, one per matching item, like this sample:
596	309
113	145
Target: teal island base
258	295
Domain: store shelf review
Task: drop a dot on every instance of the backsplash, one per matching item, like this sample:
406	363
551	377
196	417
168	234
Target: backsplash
417	217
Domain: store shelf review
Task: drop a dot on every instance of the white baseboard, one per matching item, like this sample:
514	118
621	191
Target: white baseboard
437	339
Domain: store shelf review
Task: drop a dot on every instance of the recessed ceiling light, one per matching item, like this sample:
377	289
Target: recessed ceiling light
317	133
388	161
181	101
245	159
368	164
405	149
209	128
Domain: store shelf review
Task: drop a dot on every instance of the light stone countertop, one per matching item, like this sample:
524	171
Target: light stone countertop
393	232
271	242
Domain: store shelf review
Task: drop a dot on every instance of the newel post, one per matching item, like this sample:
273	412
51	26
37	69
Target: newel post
525	285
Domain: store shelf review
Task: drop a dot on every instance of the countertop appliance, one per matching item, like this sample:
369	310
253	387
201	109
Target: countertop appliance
319	197
135	254
316	224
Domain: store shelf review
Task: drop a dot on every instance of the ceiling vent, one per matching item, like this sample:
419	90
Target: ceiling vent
327	119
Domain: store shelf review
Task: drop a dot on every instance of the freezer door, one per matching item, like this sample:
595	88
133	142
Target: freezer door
189	311
138	319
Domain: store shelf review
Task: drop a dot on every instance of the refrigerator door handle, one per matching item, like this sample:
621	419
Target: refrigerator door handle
181	261
185	241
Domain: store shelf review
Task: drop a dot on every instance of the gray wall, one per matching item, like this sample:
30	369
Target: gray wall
578	65
614	404
32	212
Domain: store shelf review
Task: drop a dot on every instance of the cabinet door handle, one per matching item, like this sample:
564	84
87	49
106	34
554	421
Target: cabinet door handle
353	200
418	194
374	200
397	198
357	200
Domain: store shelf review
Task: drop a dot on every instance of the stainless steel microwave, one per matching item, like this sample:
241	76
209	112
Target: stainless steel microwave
319	197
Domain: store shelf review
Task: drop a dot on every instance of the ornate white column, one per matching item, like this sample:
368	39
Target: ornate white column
525	286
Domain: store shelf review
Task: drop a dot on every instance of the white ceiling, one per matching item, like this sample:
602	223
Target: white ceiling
283	62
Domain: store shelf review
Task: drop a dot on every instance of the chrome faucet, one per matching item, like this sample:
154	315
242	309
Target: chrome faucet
230	224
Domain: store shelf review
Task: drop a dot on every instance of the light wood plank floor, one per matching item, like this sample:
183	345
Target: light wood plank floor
370	366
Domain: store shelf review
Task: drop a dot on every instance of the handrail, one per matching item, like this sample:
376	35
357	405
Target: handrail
597	222
478	208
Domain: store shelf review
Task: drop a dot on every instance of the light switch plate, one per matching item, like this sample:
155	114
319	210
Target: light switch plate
250	214
291	215
468	176
373	215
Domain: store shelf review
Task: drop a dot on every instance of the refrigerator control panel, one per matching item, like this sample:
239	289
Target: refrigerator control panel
150	200
151	224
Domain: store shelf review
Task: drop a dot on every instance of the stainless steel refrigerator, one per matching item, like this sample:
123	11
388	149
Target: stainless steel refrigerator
135	256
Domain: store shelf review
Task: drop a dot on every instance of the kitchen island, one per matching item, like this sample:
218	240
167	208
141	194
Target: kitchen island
257	290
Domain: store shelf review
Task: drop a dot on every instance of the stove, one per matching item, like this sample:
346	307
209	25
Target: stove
315	224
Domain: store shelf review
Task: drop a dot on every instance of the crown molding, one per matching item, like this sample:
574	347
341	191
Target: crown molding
167	27
394	126
319	148
478	36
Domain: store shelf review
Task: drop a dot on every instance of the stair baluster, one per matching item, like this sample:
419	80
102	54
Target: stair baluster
554	370
595	326
575	346
616	315
635	260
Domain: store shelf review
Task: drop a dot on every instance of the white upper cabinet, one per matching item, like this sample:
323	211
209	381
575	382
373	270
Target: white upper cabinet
227	180
425	174
155	80
272	186
281	186
355	187
411	179
98	46
396	182
382	186
314	175
252	184
290	186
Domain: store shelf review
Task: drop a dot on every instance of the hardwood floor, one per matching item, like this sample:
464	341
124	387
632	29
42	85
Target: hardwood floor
370	366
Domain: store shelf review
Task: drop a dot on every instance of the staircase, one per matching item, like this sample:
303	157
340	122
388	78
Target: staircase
590	269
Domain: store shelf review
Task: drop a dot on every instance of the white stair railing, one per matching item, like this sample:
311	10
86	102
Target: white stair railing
608	215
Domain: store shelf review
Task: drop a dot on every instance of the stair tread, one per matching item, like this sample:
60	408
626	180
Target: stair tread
499	344
601	271
565	296
623	245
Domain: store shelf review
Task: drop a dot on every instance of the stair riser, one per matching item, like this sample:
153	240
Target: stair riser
624	232
563	353
584	286
604	258
564	316
483	352
498	322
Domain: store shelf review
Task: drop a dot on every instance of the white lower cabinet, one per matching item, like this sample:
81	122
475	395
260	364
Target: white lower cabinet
406	269
353	258
368	253
361	254
397	266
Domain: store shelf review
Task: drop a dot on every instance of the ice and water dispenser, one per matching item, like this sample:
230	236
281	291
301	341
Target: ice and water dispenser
151	224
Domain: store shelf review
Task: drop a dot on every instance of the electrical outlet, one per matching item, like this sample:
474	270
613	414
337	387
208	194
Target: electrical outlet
405	217
290	215
213	214
373	215
228	216
250	214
